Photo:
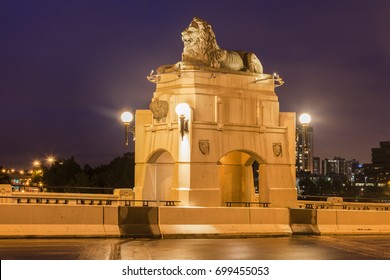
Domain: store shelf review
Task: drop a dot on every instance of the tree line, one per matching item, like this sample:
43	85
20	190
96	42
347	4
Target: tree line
68	176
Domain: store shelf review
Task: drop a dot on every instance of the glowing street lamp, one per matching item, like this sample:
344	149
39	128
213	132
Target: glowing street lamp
127	118
183	111
304	119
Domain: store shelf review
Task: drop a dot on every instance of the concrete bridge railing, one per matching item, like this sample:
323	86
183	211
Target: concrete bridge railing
343	205
121	197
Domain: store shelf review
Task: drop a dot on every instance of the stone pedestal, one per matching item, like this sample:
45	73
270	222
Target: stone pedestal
123	195
5	193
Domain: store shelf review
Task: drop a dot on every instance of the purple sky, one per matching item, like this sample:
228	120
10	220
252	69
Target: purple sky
68	68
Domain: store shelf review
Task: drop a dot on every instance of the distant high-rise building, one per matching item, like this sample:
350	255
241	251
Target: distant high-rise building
304	145
338	165
330	166
378	173
316	165
381	156
343	165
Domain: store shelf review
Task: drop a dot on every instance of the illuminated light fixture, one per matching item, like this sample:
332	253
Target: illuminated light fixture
127	118
155	77
278	81
183	111
305	119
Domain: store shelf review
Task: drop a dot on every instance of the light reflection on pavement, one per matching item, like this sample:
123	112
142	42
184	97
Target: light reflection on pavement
267	248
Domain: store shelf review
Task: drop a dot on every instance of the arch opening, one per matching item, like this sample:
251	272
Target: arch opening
239	176
159	176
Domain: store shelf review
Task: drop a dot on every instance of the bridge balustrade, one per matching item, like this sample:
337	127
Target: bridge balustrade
344	205
82	200
124	197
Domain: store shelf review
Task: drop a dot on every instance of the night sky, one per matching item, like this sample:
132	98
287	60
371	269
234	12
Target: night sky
69	68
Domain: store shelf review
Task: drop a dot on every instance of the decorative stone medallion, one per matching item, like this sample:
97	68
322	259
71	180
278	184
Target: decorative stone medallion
277	148
204	147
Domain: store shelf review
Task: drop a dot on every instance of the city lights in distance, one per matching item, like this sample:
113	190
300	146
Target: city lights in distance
50	159
304	118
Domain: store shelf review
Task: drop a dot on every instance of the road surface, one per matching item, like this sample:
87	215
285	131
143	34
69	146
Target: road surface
268	248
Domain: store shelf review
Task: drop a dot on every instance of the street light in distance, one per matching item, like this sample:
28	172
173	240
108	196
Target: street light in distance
127	118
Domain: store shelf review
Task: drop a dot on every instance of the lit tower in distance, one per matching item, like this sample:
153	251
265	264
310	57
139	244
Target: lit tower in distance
304	145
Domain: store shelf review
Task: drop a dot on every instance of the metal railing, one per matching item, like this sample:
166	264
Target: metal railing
147	202
247	203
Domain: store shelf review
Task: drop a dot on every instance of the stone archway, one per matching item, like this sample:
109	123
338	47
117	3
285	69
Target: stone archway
159	177
238	175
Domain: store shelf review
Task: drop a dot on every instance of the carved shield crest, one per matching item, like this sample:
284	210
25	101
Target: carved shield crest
277	147
159	109
204	146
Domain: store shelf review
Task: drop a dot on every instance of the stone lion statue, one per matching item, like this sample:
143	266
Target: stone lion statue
200	46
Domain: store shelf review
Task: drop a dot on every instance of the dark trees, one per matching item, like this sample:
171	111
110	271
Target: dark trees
68	176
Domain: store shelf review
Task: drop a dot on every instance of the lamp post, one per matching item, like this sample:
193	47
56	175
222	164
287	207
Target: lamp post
127	118
307	148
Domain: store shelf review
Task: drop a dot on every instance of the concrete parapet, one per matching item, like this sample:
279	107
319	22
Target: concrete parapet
58	221
138	221
223	221
110	221
55	220
353	222
303	221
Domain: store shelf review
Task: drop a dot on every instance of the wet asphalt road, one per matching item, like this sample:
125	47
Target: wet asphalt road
268	248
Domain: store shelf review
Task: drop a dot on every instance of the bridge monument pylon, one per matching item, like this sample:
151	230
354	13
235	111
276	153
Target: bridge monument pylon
214	132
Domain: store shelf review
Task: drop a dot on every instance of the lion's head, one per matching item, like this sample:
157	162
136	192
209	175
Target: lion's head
199	42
